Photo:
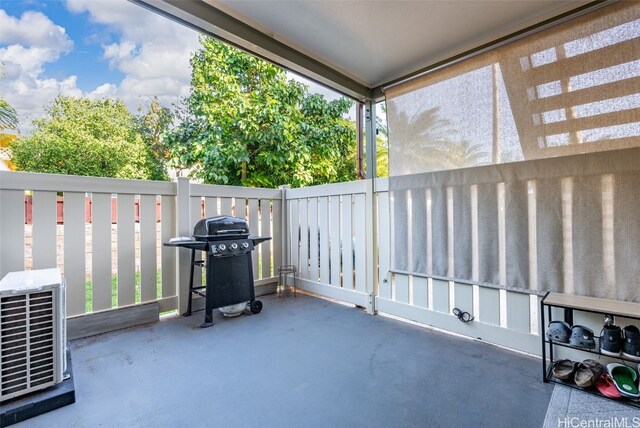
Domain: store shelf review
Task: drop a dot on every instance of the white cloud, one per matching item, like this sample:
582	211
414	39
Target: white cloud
29	96
118	52
29	60
33	29
28	43
104	90
153	51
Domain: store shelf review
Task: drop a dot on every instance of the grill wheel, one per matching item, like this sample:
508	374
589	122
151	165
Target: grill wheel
255	307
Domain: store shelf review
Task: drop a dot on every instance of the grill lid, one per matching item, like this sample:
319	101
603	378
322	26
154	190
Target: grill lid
220	227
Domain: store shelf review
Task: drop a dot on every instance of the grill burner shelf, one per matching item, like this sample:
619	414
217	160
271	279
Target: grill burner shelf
229	272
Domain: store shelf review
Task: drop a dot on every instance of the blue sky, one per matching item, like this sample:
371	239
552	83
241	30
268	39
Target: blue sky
87	38
92	48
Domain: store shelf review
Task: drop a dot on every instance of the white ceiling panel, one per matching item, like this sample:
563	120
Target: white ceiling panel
369	43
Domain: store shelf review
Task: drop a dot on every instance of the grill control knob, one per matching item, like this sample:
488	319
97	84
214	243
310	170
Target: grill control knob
245	245
222	247
233	246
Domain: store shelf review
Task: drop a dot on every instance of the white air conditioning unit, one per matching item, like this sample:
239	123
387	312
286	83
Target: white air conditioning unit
32	332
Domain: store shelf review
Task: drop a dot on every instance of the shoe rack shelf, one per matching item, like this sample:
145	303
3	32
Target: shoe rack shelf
584	304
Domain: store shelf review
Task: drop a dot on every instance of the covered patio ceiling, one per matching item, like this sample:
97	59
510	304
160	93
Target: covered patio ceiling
360	47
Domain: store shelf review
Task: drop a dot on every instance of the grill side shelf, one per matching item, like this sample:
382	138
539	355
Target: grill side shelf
191	244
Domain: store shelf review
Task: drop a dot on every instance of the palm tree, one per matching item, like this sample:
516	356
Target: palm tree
8	116
427	144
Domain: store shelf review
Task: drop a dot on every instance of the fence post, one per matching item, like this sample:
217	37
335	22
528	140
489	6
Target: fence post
183	219
284	228
371	246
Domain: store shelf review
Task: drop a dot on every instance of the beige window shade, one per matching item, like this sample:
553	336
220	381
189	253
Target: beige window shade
574	88
518	168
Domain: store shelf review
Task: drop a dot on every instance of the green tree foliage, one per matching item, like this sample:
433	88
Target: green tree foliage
152	126
79	136
382	145
246	124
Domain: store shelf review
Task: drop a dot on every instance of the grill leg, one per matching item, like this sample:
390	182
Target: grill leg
208	310
208	320
193	261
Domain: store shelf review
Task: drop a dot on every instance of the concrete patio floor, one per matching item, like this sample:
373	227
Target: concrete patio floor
300	362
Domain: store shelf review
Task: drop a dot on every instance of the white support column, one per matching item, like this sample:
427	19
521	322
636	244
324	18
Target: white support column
370	138
371	243
183	228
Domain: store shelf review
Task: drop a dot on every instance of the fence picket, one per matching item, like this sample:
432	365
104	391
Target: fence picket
265	230
253	214
360	252
313	239
148	253
277	241
294	234
303	207
195	217
44	230
168	230
334	243
12	231
323	216
74	252
126	250
101	251
347	243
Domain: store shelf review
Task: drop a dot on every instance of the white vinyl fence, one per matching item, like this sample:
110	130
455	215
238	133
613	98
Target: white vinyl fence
108	241
330	242
336	235
112	261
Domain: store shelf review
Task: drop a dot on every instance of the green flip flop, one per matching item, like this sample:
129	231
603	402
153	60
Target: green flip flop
625	379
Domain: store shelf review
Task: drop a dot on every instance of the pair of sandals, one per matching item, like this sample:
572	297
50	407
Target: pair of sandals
584	374
619	381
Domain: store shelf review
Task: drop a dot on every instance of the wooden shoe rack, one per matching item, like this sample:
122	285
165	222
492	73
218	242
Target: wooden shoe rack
594	305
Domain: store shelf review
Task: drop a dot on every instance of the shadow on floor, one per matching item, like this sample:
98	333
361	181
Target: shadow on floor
300	362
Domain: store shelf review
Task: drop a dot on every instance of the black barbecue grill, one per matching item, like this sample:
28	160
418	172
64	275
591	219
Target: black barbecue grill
229	272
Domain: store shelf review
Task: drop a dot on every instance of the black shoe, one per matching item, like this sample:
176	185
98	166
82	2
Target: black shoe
631	345
559	331
611	340
582	337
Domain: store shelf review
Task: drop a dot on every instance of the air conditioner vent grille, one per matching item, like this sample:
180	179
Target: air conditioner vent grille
27	341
